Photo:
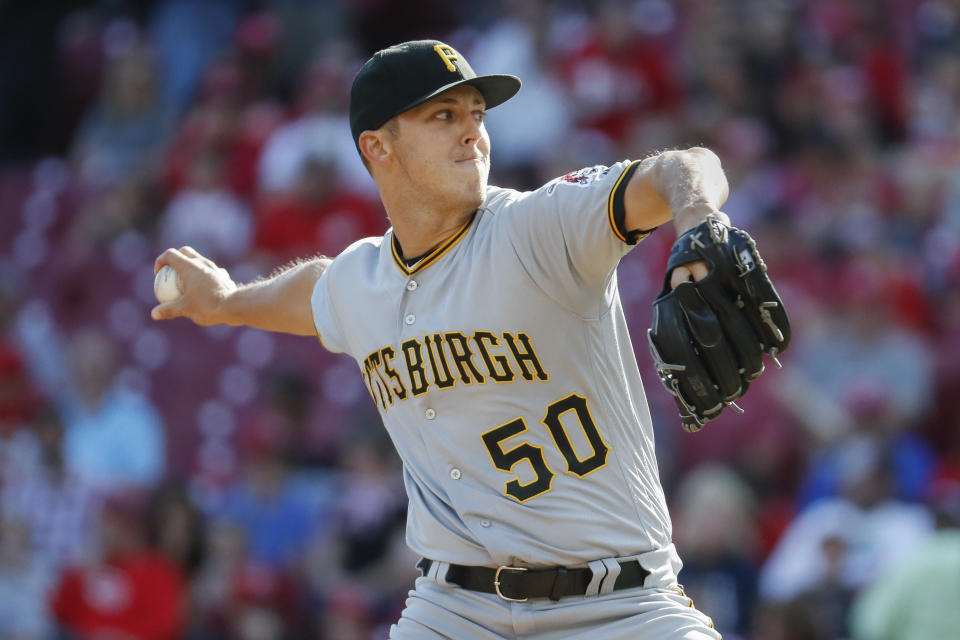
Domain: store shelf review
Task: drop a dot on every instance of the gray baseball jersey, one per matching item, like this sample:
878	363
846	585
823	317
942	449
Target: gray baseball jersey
503	370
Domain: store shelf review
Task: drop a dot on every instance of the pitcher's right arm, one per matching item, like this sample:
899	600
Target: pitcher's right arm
280	302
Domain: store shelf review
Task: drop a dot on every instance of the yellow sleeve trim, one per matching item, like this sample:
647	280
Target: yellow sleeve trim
616	208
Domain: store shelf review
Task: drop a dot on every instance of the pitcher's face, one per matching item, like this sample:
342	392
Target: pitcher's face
443	148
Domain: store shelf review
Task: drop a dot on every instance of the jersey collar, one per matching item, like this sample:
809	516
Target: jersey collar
431	257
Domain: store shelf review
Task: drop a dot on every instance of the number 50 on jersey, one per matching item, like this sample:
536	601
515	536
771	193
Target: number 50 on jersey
572	408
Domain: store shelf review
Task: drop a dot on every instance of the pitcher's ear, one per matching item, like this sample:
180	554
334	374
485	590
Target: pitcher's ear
373	147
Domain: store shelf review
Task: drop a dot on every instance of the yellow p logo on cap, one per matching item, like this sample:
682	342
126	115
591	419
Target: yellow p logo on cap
448	54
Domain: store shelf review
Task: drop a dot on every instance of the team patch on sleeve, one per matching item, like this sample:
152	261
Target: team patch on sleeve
581	177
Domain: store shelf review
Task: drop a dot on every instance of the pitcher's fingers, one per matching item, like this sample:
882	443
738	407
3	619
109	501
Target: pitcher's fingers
172	257
190	252
696	270
168	310
193	253
700	269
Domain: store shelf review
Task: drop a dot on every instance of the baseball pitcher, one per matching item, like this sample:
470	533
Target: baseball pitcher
487	326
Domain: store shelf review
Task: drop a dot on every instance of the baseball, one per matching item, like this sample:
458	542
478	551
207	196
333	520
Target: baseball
166	284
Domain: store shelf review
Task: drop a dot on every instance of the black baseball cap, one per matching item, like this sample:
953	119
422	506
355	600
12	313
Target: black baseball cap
400	77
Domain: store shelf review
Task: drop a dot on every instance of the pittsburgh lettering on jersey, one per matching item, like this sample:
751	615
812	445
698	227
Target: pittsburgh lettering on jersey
442	360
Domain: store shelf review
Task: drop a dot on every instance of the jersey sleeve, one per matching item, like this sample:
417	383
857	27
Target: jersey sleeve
325	320
570	234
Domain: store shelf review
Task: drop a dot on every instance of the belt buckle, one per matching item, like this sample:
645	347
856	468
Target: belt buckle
496	582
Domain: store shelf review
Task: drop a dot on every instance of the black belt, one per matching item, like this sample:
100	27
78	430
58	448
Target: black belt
518	584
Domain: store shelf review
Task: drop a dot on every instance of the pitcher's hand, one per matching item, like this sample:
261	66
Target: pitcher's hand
205	287
696	270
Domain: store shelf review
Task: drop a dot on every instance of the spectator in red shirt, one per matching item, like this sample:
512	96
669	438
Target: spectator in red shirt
316	213
131	593
619	71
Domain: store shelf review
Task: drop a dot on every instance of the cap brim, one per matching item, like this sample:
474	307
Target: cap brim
496	89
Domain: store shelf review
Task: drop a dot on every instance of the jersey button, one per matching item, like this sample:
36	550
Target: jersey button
455	474
410	319
412	285
484	523
430	414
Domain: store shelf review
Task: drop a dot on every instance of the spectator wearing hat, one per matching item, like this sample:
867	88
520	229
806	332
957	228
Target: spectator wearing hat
917	598
843	543
114	436
130	591
265	504
206	214
316	211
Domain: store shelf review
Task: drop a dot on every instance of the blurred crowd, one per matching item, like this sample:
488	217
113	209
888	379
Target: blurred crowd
165	481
